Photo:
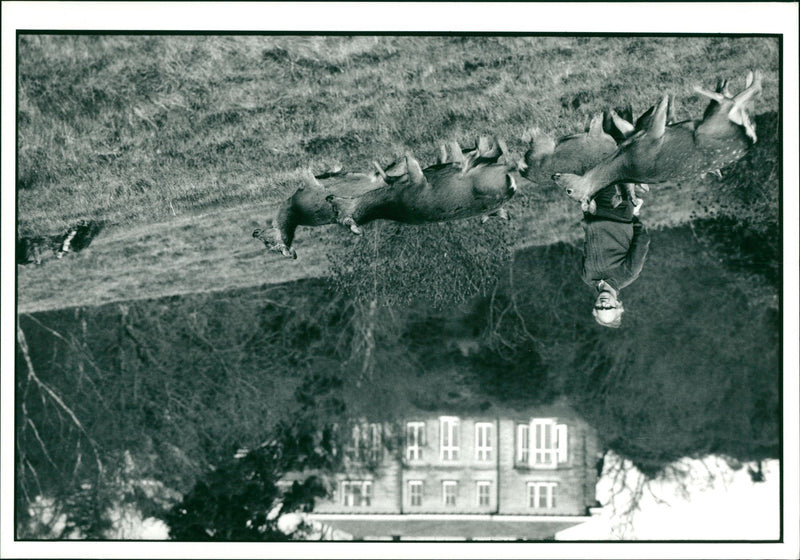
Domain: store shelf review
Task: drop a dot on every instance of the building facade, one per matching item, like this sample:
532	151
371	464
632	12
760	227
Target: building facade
539	465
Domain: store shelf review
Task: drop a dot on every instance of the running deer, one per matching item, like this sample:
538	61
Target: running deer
462	184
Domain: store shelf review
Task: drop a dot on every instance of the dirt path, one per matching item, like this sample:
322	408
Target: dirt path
214	251
205	252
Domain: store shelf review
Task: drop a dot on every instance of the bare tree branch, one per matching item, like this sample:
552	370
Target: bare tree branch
53	395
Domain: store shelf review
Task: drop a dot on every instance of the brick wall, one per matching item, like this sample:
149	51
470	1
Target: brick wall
575	479
385	491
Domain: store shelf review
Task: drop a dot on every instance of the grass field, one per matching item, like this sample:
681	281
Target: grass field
183	144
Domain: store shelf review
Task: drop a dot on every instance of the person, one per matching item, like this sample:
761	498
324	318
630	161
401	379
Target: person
614	251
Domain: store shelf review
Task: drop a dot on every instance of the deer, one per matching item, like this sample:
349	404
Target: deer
661	153
575	153
462	184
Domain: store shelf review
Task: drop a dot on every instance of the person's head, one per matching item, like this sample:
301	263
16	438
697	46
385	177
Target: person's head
608	309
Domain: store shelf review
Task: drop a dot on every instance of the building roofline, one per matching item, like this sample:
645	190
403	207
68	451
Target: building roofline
504	518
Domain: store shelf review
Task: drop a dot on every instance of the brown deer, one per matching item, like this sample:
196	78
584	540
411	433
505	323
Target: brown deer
463	184
660	152
576	153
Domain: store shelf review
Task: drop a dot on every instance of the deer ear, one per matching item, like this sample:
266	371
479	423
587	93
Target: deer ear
414	170
455	154
596	125
625	128
309	180
441	157
671	110
501	144
659	123
484	145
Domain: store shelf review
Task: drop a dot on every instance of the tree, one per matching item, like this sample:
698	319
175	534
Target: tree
241	501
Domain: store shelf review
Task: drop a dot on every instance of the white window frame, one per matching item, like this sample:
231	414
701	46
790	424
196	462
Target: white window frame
479	485
483	441
449	428
414	484
415	440
365	495
537	490
366	492
523	443
542	455
543	431
353	450
447	484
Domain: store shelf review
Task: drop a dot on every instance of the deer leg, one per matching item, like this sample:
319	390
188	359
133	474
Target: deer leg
351	223
271	237
501	213
279	237
616	200
343	209
637	202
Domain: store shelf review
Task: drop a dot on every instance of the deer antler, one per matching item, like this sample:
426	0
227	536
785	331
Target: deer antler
380	170
719	97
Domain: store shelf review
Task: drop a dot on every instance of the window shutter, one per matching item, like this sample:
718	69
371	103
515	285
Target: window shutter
561	435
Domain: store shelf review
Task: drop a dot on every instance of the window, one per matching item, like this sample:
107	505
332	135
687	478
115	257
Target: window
523	443
365	444
542	495
415	440
374	448
415	492
353	447
484	489
542	443
449	492
483	441
544	449
356	493
448	438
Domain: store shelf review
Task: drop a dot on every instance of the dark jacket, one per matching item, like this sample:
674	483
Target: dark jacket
614	251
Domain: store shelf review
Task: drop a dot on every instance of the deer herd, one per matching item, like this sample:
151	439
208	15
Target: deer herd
479	180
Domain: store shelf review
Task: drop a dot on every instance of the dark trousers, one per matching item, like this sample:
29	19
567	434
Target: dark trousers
605	205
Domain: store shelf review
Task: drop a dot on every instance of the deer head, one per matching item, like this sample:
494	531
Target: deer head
570	154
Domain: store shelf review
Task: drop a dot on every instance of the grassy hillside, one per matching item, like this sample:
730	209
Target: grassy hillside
183	144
